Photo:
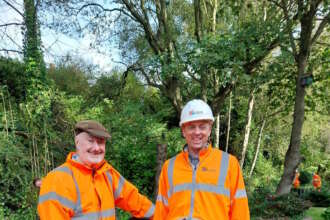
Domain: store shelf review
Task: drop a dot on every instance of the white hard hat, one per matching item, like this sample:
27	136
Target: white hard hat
194	110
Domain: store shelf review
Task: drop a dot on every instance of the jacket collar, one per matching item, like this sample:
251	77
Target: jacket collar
203	153
101	167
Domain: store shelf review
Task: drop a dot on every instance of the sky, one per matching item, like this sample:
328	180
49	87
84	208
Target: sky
55	45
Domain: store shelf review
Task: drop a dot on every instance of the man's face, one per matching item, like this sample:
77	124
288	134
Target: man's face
90	149
197	133
38	183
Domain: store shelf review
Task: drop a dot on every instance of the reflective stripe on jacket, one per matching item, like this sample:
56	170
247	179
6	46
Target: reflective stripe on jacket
74	191
214	190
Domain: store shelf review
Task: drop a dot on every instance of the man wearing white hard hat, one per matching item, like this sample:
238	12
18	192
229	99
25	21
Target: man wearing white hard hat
201	182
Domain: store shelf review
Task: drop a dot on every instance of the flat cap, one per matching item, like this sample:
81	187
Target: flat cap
93	128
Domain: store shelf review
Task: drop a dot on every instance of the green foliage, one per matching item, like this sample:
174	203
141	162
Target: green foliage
319	199
263	204
12	75
134	140
314	213
265	175
305	177
122	215
326	214
70	79
16	196
107	87
32	38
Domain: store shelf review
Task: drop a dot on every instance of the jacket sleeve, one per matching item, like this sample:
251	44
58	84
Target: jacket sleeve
55	200
162	207
128	198
239	209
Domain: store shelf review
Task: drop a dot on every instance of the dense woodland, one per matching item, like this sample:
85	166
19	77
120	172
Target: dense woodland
263	67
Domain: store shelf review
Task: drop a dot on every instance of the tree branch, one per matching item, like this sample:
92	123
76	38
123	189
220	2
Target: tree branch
192	76
150	83
220	97
22	134
137	67
11	50
12	40
322	43
11	24
319	30
250	66
289	29
146	26
121	10
98	5
13	7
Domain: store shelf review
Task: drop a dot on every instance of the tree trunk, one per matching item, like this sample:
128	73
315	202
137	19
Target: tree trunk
258	147
198	20
292	156
247	128
214	15
217	131
32	37
228	123
161	157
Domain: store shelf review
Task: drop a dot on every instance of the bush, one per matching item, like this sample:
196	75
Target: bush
305	177
326	214
263	204
319	199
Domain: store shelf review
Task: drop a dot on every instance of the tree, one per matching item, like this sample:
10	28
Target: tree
247	127
71	76
305	14
257	147
167	45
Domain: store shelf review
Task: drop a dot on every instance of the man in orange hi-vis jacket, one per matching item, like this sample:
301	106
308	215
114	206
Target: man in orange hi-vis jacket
296	181
201	182
86	186
317	182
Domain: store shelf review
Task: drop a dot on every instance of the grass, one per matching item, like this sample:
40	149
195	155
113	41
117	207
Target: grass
315	213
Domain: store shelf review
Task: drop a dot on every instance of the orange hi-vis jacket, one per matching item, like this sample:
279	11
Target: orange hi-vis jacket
212	190
296	181
74	191
316	181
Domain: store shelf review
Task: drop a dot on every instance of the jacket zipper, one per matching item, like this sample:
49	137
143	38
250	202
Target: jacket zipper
97	194
193	188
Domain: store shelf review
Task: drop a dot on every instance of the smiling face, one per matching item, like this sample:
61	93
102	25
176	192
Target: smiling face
90	149
197	134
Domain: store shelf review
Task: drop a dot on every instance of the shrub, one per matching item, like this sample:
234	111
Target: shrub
326	214
263	204
319	199
305	177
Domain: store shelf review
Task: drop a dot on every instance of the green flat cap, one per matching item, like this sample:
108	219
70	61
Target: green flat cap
93	128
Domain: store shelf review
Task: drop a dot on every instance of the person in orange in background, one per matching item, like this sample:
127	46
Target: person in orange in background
296	181
201	182
317	180
86	186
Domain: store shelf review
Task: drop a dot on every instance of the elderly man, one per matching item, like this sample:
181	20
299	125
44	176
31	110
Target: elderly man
86	186
200	182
